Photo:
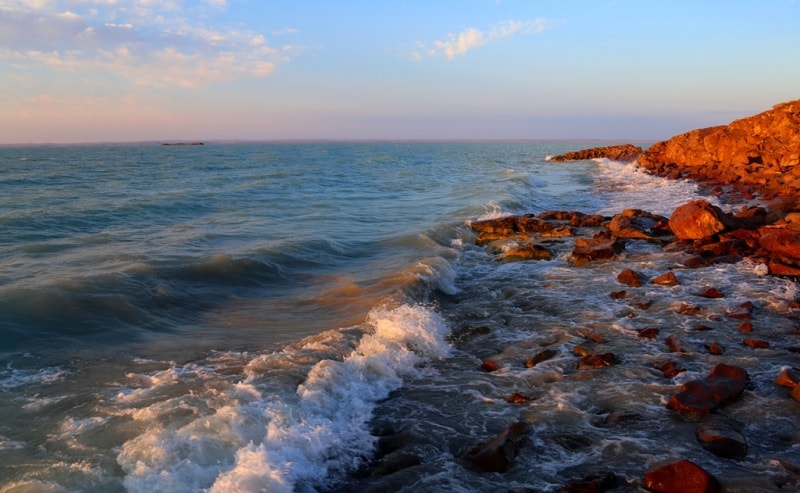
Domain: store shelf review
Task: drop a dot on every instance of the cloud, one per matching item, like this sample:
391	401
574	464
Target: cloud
455	45
159	43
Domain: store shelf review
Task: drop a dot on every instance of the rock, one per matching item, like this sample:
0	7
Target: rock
788	377
527	251
722	384
674	345
745	328
623	152
666	279
696	220
755	343
712	293
715	348
618	295
722	437
539	357
680	476
602	246
757	152
597	361
781	244
517	398
490	366
634	223
796	393
630	277
597	482
499	453
670	369
648	333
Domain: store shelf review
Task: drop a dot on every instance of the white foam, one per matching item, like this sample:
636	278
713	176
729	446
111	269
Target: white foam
12	378
257	437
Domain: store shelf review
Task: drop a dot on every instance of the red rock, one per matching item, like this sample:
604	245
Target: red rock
722	384
592	483
618	295
741	315
666	279
712	293
517	398
688	309
723	438
674	345
630	278
497	454
597	361
745	328
782	244
580	351
602	246
539	357
643	305
623	152
634	223
527	251
796	393
680	476
670	369
490	366
648	333
788	377
696	220
755	343
703	327
715	348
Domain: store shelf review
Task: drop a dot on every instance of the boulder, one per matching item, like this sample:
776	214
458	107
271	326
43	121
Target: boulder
602	246
696	220
634	223
781	244
499	453
623	152
722	437
630	277
680	476
539	357
788	377
666	279
723	383
527	251
597	361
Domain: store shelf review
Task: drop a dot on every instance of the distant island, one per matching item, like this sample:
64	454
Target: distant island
182	143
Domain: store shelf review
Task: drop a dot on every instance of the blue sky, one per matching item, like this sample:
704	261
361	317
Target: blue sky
116	70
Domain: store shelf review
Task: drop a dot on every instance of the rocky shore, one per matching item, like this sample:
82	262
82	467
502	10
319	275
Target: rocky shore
754	159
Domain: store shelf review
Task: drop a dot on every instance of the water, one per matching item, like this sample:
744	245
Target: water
250	317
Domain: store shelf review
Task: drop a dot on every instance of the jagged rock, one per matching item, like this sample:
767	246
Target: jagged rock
696	220
712	293
635	223
666	279
499	453
623	152
680	476
527	251
722	437
602	246
755	343
781	244
539	357
648	333
630	277
722	384
597	361
788	377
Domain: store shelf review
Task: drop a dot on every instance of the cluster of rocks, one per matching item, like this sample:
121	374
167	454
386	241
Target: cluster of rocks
622	152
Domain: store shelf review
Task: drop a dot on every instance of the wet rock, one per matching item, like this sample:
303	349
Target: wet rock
619	295
591	336
517	398
623	152
715	348
755	343
499	453
580	351
688	309
796	393
490	366
634	223
788	377
527	251
573	442
712	293
723	383
722	437
630	277
648	333
782	244
670	368
596	482
680	476
597	361
696	220
540	357
666	279
745	327
674	345
703	327
602	246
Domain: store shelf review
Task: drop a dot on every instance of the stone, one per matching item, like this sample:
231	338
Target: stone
696	220
540	357
755	343
788	377
527	251
674	345
745	327
634	223
680	476
596	482
597	361
647	333
711	293
796	393
498	454
630	277
517	398
602	246
722	437
666	279
715	348
723	383
670	369
781	244
623	152
490	366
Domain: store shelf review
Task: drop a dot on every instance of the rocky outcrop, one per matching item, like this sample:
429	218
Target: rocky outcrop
623	152
761	152
723	383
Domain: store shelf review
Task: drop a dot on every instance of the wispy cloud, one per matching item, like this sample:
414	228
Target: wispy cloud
456	45
150	42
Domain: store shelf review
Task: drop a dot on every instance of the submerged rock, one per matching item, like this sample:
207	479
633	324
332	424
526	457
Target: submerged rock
722	437
723	383
680	476
499	453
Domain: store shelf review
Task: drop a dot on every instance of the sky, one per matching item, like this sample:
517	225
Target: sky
631	70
